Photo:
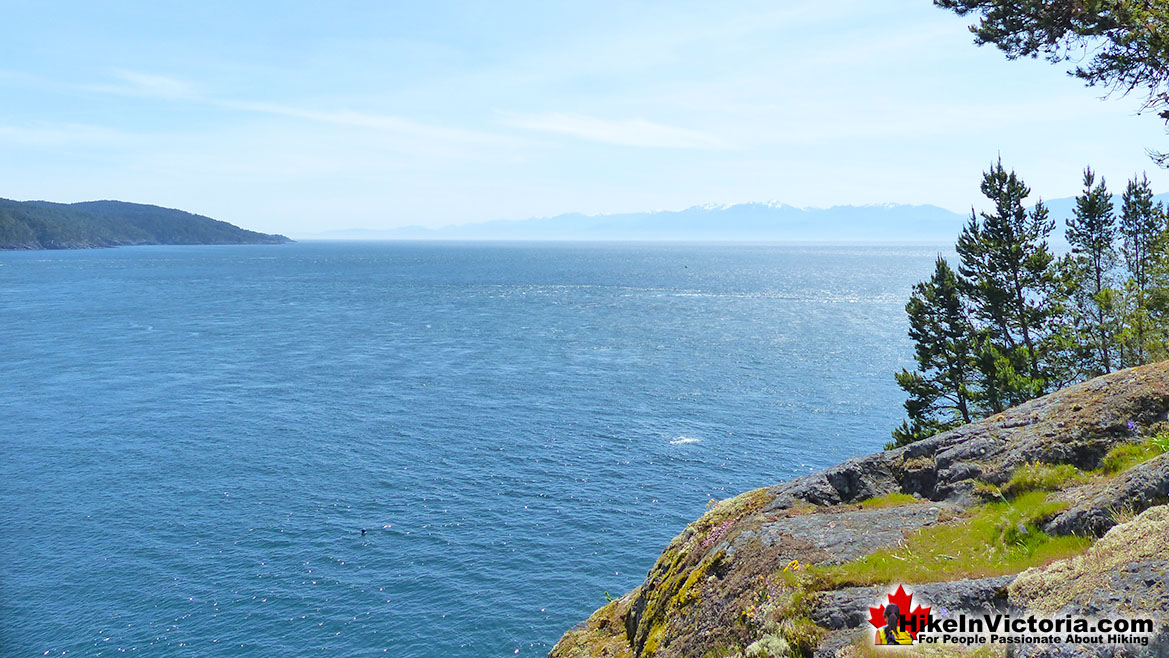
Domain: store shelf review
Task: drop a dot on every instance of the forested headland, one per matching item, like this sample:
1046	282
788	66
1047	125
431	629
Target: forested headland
45	225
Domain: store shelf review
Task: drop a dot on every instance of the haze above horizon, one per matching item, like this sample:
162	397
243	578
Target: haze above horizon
301	118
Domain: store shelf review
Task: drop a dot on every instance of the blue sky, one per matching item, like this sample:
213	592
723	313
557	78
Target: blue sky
300	117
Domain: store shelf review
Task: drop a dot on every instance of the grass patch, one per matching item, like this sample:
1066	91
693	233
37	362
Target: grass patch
1042	477
991	540
1125	456
890	500
1160	441
988	491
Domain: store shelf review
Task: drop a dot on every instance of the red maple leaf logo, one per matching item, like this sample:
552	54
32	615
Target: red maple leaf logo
910	622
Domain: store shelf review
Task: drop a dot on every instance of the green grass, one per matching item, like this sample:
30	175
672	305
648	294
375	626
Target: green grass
1000	537
993	539
1125	456
1160	441
890	500
1042	477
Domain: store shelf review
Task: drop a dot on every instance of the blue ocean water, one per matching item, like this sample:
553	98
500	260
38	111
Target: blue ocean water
192	438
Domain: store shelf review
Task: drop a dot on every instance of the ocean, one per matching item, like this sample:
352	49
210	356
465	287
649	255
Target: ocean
194	438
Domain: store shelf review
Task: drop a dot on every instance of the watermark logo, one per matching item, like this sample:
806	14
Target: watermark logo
895	622
902	621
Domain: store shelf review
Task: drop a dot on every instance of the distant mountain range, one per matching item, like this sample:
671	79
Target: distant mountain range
739	222
744	222
45	225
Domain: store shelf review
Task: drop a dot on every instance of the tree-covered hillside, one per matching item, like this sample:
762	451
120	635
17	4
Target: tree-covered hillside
44	225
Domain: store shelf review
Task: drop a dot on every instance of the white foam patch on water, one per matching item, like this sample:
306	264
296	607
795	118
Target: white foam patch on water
683	440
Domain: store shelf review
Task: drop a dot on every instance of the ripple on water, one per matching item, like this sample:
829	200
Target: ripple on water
194	437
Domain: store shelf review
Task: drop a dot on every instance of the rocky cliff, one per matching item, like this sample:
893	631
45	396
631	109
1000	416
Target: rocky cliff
1055	507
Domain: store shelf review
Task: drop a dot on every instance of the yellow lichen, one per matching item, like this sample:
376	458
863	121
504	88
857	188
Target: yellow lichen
602	636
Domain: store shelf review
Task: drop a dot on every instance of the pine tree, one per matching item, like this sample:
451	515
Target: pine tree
1142	226
1007	267
1157	300
1120	45
1014	323
939	395
1091	232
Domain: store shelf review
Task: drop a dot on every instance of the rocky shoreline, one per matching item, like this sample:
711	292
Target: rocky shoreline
1065	493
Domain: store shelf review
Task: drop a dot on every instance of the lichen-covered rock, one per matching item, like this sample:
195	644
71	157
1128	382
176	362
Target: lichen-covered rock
602	635
836	535
684	598
1077	425
1125	573
1091	651
1129	564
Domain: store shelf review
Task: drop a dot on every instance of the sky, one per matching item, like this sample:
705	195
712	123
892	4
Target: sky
301	117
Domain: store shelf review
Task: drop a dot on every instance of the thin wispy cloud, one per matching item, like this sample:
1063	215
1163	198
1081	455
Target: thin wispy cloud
146	85
413	114
383	123
358	130
60	134
619	132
